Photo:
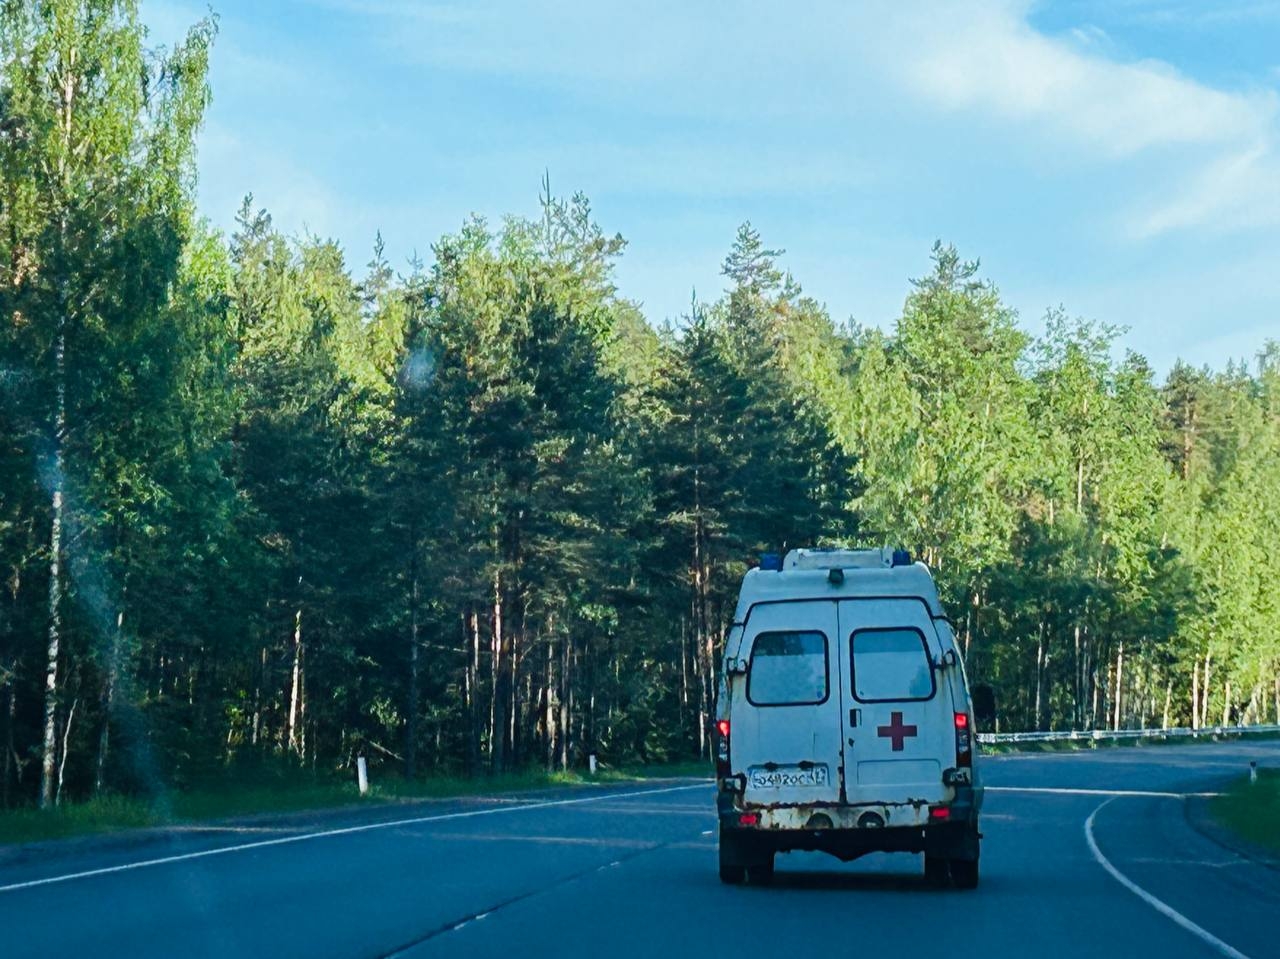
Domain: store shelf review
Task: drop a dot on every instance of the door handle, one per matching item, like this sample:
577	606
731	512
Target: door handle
855	717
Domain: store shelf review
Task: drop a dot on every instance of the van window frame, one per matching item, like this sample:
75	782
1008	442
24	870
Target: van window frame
928	656
826	667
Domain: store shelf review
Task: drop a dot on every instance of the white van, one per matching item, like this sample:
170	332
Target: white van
844	722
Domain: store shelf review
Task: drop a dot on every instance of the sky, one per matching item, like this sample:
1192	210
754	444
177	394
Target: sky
1117	158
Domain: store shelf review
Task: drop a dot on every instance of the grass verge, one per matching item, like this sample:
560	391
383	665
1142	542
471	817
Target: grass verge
295	792
1252	811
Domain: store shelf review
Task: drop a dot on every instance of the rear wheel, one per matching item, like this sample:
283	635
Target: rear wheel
936	871
732	872
964	872
760	873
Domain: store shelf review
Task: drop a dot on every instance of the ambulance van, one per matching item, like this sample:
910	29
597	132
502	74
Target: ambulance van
843	721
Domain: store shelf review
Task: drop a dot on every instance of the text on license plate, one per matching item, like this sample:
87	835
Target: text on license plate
762	778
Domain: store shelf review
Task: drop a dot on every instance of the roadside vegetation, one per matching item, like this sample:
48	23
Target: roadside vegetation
478	513
241	794
1252	810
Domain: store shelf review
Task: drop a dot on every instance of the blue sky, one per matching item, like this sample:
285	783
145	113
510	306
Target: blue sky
1120	158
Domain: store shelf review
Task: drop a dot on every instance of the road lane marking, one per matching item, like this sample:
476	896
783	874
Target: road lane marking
413	946
1113	793
1159	906
603	841
345	831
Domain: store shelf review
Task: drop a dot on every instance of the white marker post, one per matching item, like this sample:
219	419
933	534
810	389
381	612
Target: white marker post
362	775
1253	772
592	764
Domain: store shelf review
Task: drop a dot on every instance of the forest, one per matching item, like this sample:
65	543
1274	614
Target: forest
261	504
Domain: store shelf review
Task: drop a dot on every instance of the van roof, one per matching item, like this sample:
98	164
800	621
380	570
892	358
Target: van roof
860	581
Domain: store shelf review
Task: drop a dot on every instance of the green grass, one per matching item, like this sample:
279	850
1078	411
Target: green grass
1252	811
104	814
278	791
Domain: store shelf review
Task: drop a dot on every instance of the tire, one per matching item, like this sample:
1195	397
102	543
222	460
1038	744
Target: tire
937	871
761	873
732	872
964	873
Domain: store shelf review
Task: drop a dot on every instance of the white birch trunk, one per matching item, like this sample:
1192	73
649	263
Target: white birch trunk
1115	723
296	684
49	757
1195	694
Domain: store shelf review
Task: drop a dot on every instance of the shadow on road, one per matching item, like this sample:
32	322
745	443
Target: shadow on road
853	881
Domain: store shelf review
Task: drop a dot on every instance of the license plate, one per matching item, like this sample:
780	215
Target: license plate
781	776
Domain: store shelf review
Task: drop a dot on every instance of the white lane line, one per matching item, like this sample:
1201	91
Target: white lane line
1113	793
1161	907
345	831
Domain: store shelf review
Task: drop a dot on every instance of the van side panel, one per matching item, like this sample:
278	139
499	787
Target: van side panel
785	738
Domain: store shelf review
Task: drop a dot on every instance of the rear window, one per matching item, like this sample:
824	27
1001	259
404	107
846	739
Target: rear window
891	665
788	669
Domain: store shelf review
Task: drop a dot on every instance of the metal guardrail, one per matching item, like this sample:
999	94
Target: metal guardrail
1076	735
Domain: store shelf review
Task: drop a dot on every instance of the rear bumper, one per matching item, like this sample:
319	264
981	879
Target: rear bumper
852	832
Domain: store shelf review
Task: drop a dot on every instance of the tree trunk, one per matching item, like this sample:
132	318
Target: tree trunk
501	695
1078	681
11	715
295	686
1115	724
566	701
66	742
1204	690
1226	703
108	704
257	698
50	753
1195	693
67	83
1036	719
476	717
411	720
1168	703
1093	709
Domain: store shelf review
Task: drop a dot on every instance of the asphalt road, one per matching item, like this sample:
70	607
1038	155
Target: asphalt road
631	871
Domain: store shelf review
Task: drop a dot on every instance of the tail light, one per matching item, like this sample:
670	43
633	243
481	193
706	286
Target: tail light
964	741
722	748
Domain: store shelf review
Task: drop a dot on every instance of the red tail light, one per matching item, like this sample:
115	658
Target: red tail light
964	741
748	819
722	748
939	813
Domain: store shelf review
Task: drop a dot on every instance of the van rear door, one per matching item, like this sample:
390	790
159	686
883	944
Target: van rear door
785	721
897	718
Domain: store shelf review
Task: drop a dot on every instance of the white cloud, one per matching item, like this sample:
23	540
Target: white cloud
988	57
1239	190
1212	151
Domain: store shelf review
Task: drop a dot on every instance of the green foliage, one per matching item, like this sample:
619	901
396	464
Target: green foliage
1252	810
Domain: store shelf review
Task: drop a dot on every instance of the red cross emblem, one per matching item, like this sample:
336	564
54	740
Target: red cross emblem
896	731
